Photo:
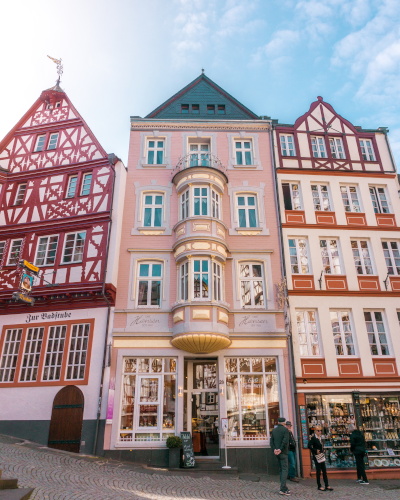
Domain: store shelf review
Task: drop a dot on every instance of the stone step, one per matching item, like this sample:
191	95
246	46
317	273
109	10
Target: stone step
214	466
8	484
18	494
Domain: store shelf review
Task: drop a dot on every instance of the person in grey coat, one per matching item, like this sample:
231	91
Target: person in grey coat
279	442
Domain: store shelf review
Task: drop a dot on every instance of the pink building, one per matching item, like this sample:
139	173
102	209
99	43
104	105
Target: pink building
199	331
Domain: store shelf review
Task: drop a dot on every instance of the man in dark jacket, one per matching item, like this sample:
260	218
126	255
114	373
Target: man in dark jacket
357	447
280	444
292	454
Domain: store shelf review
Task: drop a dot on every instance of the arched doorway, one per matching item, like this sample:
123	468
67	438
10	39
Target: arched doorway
66	420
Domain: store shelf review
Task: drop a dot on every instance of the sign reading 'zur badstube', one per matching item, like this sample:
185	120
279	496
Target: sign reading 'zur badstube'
188	452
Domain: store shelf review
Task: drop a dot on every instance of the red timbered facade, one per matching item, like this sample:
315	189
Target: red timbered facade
57	189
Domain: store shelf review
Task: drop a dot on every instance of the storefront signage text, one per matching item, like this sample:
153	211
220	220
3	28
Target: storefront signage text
255	322
47	316
144	319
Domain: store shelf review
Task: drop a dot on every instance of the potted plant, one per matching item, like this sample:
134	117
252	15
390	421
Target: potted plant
174	444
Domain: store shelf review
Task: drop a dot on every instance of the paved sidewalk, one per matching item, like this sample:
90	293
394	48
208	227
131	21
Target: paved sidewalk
64	476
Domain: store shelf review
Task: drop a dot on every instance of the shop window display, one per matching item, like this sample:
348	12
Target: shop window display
148	397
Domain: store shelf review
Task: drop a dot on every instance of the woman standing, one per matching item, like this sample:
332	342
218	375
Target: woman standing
317	449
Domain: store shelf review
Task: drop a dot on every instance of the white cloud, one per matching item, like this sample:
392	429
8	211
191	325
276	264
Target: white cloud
278	47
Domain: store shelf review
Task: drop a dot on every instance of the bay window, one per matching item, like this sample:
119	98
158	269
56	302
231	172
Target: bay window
308	333
362	257
330	256
184	277
251	278
200	201
342	333
196	201
247	210
201	279
252	398
152	210
185	204
391	253
298	256
217	281
377	337
320	197
215	204
149	284
148	399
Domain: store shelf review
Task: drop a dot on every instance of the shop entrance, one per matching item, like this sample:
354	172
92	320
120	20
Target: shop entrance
201	406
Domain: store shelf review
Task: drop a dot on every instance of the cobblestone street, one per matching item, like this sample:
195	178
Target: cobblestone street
59	476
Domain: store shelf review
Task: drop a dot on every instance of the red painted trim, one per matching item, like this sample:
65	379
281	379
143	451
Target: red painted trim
336	282
349	227
325	218
368	283
313	171
354	293
386	220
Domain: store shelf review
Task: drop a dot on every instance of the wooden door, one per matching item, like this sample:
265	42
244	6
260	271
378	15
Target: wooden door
66	420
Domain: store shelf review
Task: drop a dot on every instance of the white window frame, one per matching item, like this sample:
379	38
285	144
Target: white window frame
243	151
352	205
321	197
51	146
12	339
246	207
184	281
31	355
376	333
202	273
46	250
377	201
200	157
38	140
85	176
153	206
298	255
20	194
150	278
331	257
252	279
55	347
295	194
10	252
362	258
287	145
388	254
138	404
185	204
217	289
215	204
156	148
72	261
201	197
341	333
367	150
305	319
71	178
337	149
318	146
75	350
2	246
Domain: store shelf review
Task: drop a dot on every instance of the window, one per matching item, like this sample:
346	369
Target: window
199	155
46	252
12	341
243	153
350	199
376	333
152	215
155	152
87	181
185	109
246	207
342	335
251	285
308	333
320	197
217	276
54	353
149	286
287	145
330	256
72	186
185	204
148	401
362	257
200	279
215	204
252	398
74	246
53	141
13	257
379	200
2	245
30	361
19	198
58	104
318	147
391	253
298	256
40	143
291	196
200	200
184	294
221	109
337	150
367	150
195	109
78	347
210	109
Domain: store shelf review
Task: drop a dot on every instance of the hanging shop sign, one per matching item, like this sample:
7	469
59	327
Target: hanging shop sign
27	271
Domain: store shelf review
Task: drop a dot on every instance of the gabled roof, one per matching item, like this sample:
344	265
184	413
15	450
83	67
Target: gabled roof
203	91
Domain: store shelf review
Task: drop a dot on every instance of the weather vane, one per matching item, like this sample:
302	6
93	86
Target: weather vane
60	68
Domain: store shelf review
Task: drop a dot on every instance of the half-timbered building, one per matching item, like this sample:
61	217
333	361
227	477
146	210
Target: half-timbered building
59	198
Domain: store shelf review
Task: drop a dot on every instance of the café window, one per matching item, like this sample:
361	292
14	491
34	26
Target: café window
252	398
148	399
149	284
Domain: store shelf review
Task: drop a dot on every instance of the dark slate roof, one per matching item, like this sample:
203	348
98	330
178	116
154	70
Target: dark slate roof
202	91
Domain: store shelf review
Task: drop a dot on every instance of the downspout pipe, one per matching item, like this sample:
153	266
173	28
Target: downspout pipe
385	131
287	311
112	159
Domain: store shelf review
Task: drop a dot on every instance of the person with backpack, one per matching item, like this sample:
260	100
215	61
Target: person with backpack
357	447
279	442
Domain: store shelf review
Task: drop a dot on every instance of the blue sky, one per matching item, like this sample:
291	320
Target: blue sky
125	57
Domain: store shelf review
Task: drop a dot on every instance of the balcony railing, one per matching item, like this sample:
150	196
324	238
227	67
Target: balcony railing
199	159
